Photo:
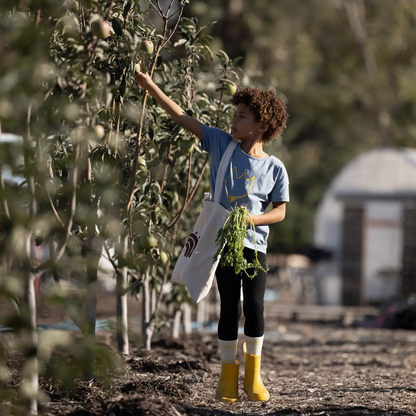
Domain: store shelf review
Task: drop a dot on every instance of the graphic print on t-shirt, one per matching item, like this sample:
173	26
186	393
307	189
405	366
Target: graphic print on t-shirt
238	186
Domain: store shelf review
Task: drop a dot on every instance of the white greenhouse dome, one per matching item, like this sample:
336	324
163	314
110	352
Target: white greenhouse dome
367	220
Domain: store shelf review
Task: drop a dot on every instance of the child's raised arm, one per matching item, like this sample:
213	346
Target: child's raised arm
174	110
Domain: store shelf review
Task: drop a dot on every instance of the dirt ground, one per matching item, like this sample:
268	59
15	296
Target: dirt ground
310	368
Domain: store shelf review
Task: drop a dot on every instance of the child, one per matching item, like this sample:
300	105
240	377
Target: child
254	179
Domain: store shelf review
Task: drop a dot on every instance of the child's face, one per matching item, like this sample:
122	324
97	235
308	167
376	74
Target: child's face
244	125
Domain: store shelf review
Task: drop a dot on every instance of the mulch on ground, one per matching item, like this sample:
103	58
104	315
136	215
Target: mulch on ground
309	369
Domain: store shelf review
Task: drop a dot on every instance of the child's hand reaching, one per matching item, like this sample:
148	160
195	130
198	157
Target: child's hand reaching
143	79
178	115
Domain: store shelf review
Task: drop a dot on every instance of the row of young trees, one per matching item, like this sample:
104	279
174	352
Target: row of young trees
106	172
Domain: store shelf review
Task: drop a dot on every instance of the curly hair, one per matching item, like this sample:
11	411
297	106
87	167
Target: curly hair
267	107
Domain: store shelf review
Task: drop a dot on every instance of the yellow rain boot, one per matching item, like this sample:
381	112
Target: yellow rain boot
253	384
227	390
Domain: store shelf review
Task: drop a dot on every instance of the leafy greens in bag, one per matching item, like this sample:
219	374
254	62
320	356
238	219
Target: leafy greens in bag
232	234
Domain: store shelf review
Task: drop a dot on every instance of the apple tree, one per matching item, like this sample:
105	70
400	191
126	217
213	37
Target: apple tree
105	172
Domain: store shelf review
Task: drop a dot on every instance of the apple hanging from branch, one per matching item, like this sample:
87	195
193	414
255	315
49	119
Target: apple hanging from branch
147	46
101	29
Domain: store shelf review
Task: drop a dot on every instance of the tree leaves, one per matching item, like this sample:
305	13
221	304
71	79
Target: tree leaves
86	109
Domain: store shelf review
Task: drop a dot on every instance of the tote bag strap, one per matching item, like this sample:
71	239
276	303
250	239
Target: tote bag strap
221	169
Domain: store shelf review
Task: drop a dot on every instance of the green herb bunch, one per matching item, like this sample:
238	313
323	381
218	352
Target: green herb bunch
232	234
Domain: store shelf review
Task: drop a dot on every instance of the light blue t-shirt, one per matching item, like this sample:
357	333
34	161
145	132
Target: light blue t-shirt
249	181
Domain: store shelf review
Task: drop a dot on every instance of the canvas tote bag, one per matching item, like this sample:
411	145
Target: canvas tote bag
195	267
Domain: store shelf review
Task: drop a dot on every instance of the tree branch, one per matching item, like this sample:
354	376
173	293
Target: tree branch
73	205
165	173
165	275
160	45
187	201
158	9
55	212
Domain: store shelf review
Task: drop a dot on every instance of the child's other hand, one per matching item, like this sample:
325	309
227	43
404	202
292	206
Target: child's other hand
250	219
143	79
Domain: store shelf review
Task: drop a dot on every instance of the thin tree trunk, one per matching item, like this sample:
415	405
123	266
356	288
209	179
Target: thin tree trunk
3	188
201	313
93	258
186	318
153	301
176	323
32	378
147	325
122	316
182	314
95	248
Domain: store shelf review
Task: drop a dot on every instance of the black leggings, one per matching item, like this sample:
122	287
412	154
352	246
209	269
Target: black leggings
229	287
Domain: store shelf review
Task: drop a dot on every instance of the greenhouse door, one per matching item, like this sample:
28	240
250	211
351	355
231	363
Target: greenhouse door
352	253
383	251
408	274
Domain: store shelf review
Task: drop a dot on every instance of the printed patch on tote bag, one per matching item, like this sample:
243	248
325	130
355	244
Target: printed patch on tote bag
191	244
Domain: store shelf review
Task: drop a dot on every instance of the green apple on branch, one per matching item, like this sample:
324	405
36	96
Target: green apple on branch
148	242
147	46
101	29
230	88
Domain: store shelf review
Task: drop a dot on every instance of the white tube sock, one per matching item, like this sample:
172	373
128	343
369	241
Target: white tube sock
228	350
254	345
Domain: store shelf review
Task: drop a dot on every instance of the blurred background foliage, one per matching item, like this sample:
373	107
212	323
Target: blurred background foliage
347	70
